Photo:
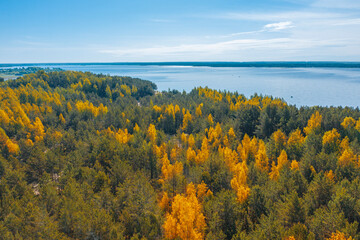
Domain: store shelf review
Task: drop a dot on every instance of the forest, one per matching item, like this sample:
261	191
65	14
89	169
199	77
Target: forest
92	156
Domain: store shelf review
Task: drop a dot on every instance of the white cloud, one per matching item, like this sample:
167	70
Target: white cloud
318	35
271	27
224	47
195	48
278	26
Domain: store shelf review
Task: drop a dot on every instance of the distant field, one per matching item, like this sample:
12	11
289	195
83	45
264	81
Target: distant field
6	76
12	73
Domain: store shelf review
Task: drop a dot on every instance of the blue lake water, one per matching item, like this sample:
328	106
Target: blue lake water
298	86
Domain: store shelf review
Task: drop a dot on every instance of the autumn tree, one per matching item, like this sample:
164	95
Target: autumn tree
331	141
261	159
282	161
339	236
314	124
186	219
295	144
239	182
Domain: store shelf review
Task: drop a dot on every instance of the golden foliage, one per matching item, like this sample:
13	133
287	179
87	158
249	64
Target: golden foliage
203	153
186	219
314	123
190	155
210	93
279	137
125	89
231	157
175	152
348	122
257	101
238	182
4	118
261	159
202	191
57	135
134	89
186	119
191	141
88	106
171	110
277	102
331	138
152	132
231	133
164	203
183	137
38	130
347	157
296	138
169	170
136	128
330	175
339	236
312	169
281	162
282	159
11	146
344	144
210	119
248	148
29	142
214	135
226	141
122	136
68	107
159	151
156	108
228	97
239	170
198	111
294	165
62	119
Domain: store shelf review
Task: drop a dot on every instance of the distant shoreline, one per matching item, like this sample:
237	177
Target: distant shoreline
280	64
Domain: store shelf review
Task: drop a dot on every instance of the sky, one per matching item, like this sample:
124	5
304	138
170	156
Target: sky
41	31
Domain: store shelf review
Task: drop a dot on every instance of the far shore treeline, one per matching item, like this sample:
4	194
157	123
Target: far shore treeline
270	64
92	156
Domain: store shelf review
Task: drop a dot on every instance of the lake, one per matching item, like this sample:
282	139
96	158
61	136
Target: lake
297	86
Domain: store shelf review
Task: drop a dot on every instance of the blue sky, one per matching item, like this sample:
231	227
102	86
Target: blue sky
34	31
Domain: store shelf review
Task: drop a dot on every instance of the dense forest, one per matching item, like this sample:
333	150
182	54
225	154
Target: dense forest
87	156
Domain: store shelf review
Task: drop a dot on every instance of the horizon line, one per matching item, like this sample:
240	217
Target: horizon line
270	64
151	62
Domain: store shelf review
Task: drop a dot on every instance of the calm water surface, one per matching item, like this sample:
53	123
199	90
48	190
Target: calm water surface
299	86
